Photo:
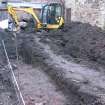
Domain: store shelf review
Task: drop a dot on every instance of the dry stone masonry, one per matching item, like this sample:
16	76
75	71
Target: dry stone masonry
87	11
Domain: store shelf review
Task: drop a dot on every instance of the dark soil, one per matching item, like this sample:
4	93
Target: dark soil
76	40
7	91
80	40
78	85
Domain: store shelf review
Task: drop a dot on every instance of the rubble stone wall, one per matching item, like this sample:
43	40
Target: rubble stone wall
87	11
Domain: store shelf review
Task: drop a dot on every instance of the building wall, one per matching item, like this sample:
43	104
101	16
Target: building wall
87	11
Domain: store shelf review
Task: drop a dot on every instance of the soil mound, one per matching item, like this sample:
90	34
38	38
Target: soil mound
81	40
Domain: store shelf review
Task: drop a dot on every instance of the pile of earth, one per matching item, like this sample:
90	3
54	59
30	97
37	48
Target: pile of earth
80	40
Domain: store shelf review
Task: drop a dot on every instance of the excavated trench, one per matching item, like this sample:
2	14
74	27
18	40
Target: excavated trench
78	82
61	55
39	89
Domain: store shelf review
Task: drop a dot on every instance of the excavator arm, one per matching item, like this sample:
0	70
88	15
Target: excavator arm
14	16
12	12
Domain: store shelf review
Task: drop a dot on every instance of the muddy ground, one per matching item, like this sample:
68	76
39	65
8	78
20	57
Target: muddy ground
80	40
75	43
73	58
37	87
7	90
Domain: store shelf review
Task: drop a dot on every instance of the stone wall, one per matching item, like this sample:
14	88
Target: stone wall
87	11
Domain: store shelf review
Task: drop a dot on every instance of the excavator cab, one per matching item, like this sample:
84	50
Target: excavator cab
52	16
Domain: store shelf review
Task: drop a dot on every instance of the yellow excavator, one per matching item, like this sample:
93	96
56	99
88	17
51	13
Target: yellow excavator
52	16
